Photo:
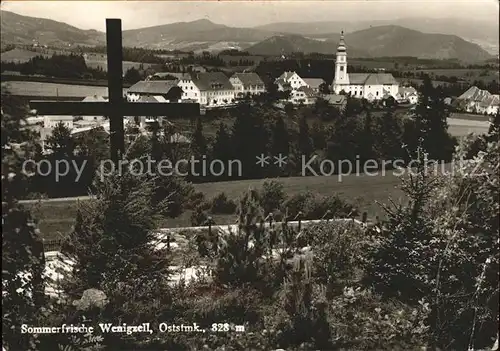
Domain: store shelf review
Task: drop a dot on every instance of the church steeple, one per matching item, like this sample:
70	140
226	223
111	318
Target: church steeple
341	76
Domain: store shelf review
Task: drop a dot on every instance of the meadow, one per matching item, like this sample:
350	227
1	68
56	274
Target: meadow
55	218
22	88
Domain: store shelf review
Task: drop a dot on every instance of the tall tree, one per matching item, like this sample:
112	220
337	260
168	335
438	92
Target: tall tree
388	136
431	120
22	249
222	147
280	144
249	139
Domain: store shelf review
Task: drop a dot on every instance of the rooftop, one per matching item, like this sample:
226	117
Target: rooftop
211	81
250	78
159	87
371	79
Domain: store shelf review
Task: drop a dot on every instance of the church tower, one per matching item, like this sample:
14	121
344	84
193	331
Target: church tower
341	76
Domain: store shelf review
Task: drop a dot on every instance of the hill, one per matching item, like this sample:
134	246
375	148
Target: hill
17	29
379	42
286	44
202	33
478	31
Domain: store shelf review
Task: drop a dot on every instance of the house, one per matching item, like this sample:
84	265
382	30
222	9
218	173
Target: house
476	100
370	86
208	89
336	100
247	83
314	83
289	81
409	94
165	88
303	95
51	122
94	98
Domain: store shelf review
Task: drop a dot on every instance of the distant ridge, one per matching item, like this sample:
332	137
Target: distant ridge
203	34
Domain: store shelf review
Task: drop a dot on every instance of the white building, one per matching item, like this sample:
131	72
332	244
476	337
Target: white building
247	83
409	94
289	81
303	96
52	121
208	89
371	86
480	101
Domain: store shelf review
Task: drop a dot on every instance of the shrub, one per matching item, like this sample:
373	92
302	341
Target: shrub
199	216
315	206
272	196
221	204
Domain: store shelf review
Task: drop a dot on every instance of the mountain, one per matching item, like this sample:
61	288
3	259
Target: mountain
482	32
182	34
17	29
286	44
377	42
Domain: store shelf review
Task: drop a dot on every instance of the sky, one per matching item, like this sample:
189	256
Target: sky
138	14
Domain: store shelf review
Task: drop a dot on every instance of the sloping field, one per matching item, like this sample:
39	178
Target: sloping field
53	90
19	55
461	127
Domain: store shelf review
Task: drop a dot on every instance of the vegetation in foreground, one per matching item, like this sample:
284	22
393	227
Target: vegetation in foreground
426	277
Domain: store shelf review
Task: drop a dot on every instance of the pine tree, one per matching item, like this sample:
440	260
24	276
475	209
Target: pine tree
431	121
249	139
280	143
388	137
222	148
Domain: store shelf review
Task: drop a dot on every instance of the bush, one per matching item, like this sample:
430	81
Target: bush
315	206
221	204
199	216
272	196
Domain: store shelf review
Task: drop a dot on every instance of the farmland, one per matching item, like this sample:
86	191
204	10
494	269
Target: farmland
22	88
92	60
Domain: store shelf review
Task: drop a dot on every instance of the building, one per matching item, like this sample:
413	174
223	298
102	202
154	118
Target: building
247	83
94	98
50	122
166	88
289	81
209	89
304	95
370	86
314	83
407	94
476	100
338	101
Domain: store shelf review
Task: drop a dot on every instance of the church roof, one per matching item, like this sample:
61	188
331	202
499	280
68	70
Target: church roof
371	79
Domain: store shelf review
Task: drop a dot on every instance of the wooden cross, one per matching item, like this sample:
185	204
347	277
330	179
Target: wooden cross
117	108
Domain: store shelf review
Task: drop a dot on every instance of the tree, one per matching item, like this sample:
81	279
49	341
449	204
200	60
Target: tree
305	146
222	148
324	88
280	140
249	129
132	76
431	121
22	249
61	142
388	135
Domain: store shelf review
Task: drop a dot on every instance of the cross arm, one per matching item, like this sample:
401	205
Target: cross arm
103	108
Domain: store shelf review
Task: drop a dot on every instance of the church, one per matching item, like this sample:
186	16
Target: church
371	86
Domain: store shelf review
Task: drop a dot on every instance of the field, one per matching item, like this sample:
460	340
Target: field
57	217
470	75
92	60
53	90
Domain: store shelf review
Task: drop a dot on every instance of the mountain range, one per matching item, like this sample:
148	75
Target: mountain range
373	39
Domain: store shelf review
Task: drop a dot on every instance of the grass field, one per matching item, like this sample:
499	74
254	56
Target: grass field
51	89
56	218
485	75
